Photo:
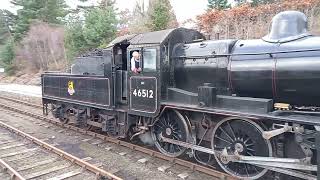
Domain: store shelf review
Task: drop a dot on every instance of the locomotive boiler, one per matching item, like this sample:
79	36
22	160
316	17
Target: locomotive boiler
250	107
284	65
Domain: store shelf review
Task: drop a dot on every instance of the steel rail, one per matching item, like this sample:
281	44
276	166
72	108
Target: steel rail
185	163
14	175
98	171
22	102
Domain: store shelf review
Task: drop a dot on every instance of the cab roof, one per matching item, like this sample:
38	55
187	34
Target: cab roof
157	37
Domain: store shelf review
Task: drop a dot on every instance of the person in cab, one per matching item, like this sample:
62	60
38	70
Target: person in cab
135	62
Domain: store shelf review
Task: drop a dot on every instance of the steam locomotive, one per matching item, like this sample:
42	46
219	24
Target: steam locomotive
253	105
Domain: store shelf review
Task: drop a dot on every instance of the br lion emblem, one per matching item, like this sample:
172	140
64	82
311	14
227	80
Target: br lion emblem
71	90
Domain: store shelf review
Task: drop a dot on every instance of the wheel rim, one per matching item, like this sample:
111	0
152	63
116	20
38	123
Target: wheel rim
245	136
171	124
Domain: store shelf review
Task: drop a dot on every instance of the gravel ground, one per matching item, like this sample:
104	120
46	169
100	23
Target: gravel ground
37	163
27	90
116	159
30	99
4	175
23	107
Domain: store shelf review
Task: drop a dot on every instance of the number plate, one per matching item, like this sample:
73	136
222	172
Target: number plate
143	94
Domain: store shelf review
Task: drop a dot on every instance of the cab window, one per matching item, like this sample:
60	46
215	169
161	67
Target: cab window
135	61
149	60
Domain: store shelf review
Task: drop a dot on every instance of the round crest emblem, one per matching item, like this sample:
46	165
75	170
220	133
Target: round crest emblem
71	90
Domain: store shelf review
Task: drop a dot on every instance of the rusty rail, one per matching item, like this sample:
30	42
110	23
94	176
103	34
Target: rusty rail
99	172
192	166
14	175
21	102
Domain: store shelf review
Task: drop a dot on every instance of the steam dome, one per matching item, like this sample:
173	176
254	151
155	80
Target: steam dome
287	26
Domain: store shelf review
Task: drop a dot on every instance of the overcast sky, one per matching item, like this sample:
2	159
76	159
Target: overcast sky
184	9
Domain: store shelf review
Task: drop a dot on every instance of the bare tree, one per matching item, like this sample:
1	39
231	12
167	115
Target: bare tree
42	49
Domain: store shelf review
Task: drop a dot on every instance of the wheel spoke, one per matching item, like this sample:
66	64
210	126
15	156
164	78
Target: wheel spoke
232	132
237	168
177	138
246	140
226	134
166	146
172	148
178	147
251	149
163	125
250	153
167	119
158	126
223	140
255	168
245	166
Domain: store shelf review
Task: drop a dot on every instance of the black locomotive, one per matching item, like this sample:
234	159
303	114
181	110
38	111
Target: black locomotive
253	105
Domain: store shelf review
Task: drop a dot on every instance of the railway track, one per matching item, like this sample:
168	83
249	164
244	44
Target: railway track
22	102
8	172
193	166
26	157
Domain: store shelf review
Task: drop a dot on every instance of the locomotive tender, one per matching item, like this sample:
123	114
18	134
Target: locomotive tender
253	105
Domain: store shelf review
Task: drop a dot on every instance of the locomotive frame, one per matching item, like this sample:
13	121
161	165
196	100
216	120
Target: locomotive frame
191	107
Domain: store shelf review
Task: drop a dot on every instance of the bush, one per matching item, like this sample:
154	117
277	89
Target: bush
247	21
7	56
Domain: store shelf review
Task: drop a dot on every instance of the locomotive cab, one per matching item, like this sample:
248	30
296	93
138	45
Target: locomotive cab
148	87
139	92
